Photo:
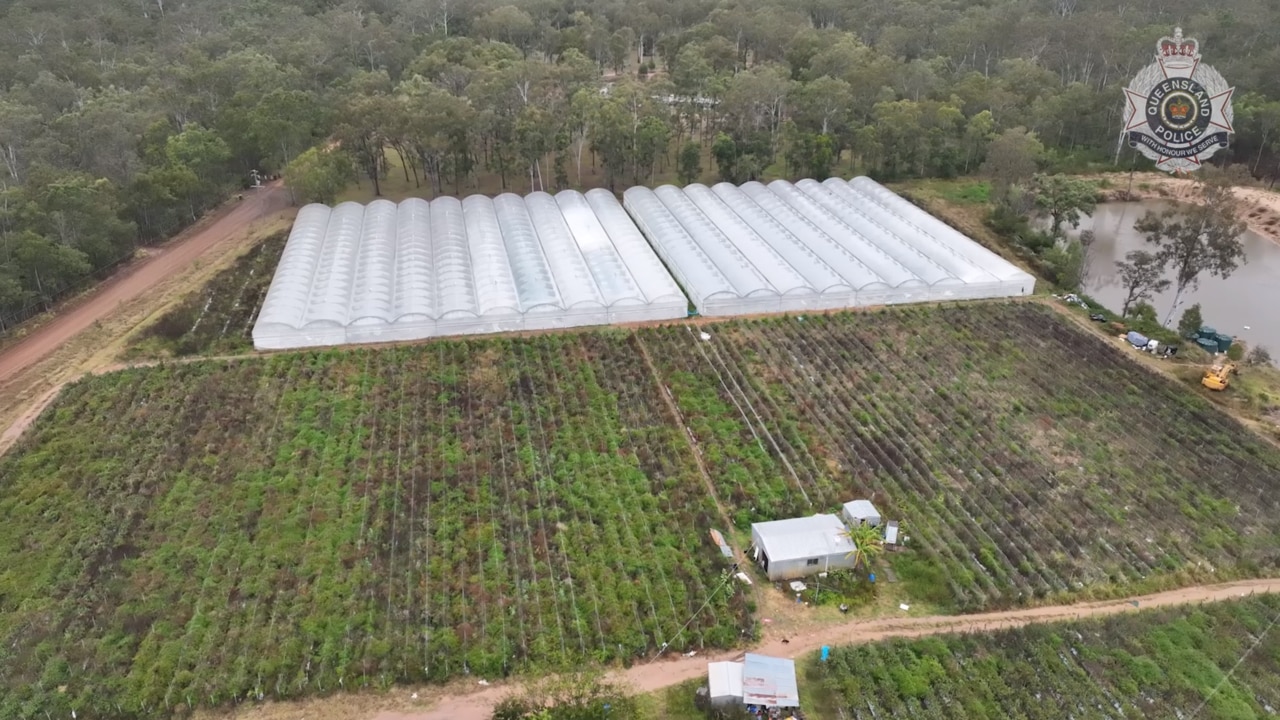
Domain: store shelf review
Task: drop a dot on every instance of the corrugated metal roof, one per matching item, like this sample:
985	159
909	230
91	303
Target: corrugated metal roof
769	681
805	537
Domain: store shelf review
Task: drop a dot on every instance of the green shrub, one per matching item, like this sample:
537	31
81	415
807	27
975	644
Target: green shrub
1190	322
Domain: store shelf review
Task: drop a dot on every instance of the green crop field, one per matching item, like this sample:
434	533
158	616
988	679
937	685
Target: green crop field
207	532
197	534
1026	458
1168	663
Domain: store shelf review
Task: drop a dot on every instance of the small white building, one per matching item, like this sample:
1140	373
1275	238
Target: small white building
861	512
800	547
724	680
757	680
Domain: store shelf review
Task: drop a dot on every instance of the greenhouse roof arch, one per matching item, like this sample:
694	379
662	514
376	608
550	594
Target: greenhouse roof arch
387	272
811	245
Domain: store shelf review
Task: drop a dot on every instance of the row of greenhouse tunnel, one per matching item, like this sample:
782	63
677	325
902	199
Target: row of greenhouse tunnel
386	272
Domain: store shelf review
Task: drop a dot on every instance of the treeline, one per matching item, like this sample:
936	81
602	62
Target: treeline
122	120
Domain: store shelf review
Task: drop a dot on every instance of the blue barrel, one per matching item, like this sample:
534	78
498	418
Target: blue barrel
826	652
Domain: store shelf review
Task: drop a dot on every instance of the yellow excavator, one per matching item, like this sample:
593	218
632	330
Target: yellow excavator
1218	377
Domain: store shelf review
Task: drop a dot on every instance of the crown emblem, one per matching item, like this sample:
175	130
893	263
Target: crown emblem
1178	52
1179	111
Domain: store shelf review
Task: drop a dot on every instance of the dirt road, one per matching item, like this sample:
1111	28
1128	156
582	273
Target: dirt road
471	701
138	278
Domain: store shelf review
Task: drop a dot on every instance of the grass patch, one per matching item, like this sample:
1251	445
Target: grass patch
967	192
921	579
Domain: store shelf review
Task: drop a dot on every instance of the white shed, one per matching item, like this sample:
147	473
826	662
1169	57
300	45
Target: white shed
724	680
861	512
800	547
891	533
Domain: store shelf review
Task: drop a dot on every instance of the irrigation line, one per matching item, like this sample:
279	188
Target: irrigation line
591	411
629	393
529	400
663	647
496	548
1233	669
561	410
781	455
412	520
512	557
397	491
547	473
478	438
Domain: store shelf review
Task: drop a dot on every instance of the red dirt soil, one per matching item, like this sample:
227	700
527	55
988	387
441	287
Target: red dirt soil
140	277
470	701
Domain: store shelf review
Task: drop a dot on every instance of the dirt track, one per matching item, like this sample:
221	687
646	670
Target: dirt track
84	335
473	702
138	278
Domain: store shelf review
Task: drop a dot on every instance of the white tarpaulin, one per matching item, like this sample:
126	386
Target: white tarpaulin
769	681
724	679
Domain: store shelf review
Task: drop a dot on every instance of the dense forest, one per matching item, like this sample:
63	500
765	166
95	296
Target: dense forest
121	121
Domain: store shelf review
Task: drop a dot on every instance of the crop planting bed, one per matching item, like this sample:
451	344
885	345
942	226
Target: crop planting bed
1151	664
1025	457
219	319
194	534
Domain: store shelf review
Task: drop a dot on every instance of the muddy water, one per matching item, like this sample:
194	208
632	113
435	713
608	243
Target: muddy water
1247	304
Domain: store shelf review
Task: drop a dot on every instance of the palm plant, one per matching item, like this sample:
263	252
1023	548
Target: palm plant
868	544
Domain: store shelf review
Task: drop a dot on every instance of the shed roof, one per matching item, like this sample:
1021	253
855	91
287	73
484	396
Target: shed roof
769	681
724	679
861	509
805	537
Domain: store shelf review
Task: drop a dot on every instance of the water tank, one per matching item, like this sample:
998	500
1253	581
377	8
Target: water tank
1207	332
1207	345
1224	342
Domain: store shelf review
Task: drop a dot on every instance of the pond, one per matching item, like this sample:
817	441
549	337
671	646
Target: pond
1246	304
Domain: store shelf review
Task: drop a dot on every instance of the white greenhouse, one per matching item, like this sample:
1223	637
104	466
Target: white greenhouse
813	246
386	272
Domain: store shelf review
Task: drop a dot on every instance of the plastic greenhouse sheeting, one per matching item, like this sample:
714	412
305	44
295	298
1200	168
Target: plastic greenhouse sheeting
386	272
812	246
